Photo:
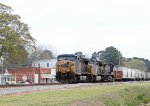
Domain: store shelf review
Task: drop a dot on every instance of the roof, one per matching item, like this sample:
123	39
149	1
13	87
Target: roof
66	55
52	62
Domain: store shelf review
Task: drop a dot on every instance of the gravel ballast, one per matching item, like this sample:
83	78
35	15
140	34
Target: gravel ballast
27	89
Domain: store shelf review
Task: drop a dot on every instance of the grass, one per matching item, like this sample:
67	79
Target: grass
111	95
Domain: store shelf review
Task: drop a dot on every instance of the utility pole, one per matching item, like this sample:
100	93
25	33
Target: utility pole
2	76
119	59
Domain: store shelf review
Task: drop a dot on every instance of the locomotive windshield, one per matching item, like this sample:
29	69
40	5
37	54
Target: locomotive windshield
67	57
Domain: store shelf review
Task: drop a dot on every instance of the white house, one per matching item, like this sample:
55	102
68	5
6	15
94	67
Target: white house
7	78
46	64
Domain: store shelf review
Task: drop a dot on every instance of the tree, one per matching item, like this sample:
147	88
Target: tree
111	54
41	53
15	58
146	61
14	36
99	56
135	64
80	54
94	56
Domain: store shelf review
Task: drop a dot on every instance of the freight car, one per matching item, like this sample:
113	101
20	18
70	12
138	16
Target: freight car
127	74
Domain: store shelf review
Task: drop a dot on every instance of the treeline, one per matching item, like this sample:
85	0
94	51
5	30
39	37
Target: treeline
138	63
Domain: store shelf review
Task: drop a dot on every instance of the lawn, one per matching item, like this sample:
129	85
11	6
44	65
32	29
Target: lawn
107	94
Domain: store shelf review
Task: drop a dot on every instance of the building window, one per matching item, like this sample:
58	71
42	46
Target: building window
47	64
39	65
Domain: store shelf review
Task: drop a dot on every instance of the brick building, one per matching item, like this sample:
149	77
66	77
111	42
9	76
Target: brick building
34	75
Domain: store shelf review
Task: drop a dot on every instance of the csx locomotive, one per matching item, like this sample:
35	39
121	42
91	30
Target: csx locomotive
73	69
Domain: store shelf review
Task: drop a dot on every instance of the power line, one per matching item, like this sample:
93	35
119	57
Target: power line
137	51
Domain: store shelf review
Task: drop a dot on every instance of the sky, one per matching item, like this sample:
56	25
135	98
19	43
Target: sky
89	26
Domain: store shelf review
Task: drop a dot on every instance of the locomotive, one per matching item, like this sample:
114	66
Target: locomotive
68	68
71	68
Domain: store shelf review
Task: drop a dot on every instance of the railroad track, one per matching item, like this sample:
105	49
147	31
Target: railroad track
18	89
45	84
22	85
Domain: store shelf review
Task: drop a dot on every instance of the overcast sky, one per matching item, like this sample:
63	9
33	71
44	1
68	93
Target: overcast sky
88	25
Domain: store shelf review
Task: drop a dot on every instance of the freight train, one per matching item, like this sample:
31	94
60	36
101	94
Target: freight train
71	68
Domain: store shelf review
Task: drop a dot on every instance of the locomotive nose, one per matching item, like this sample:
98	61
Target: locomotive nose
64	65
